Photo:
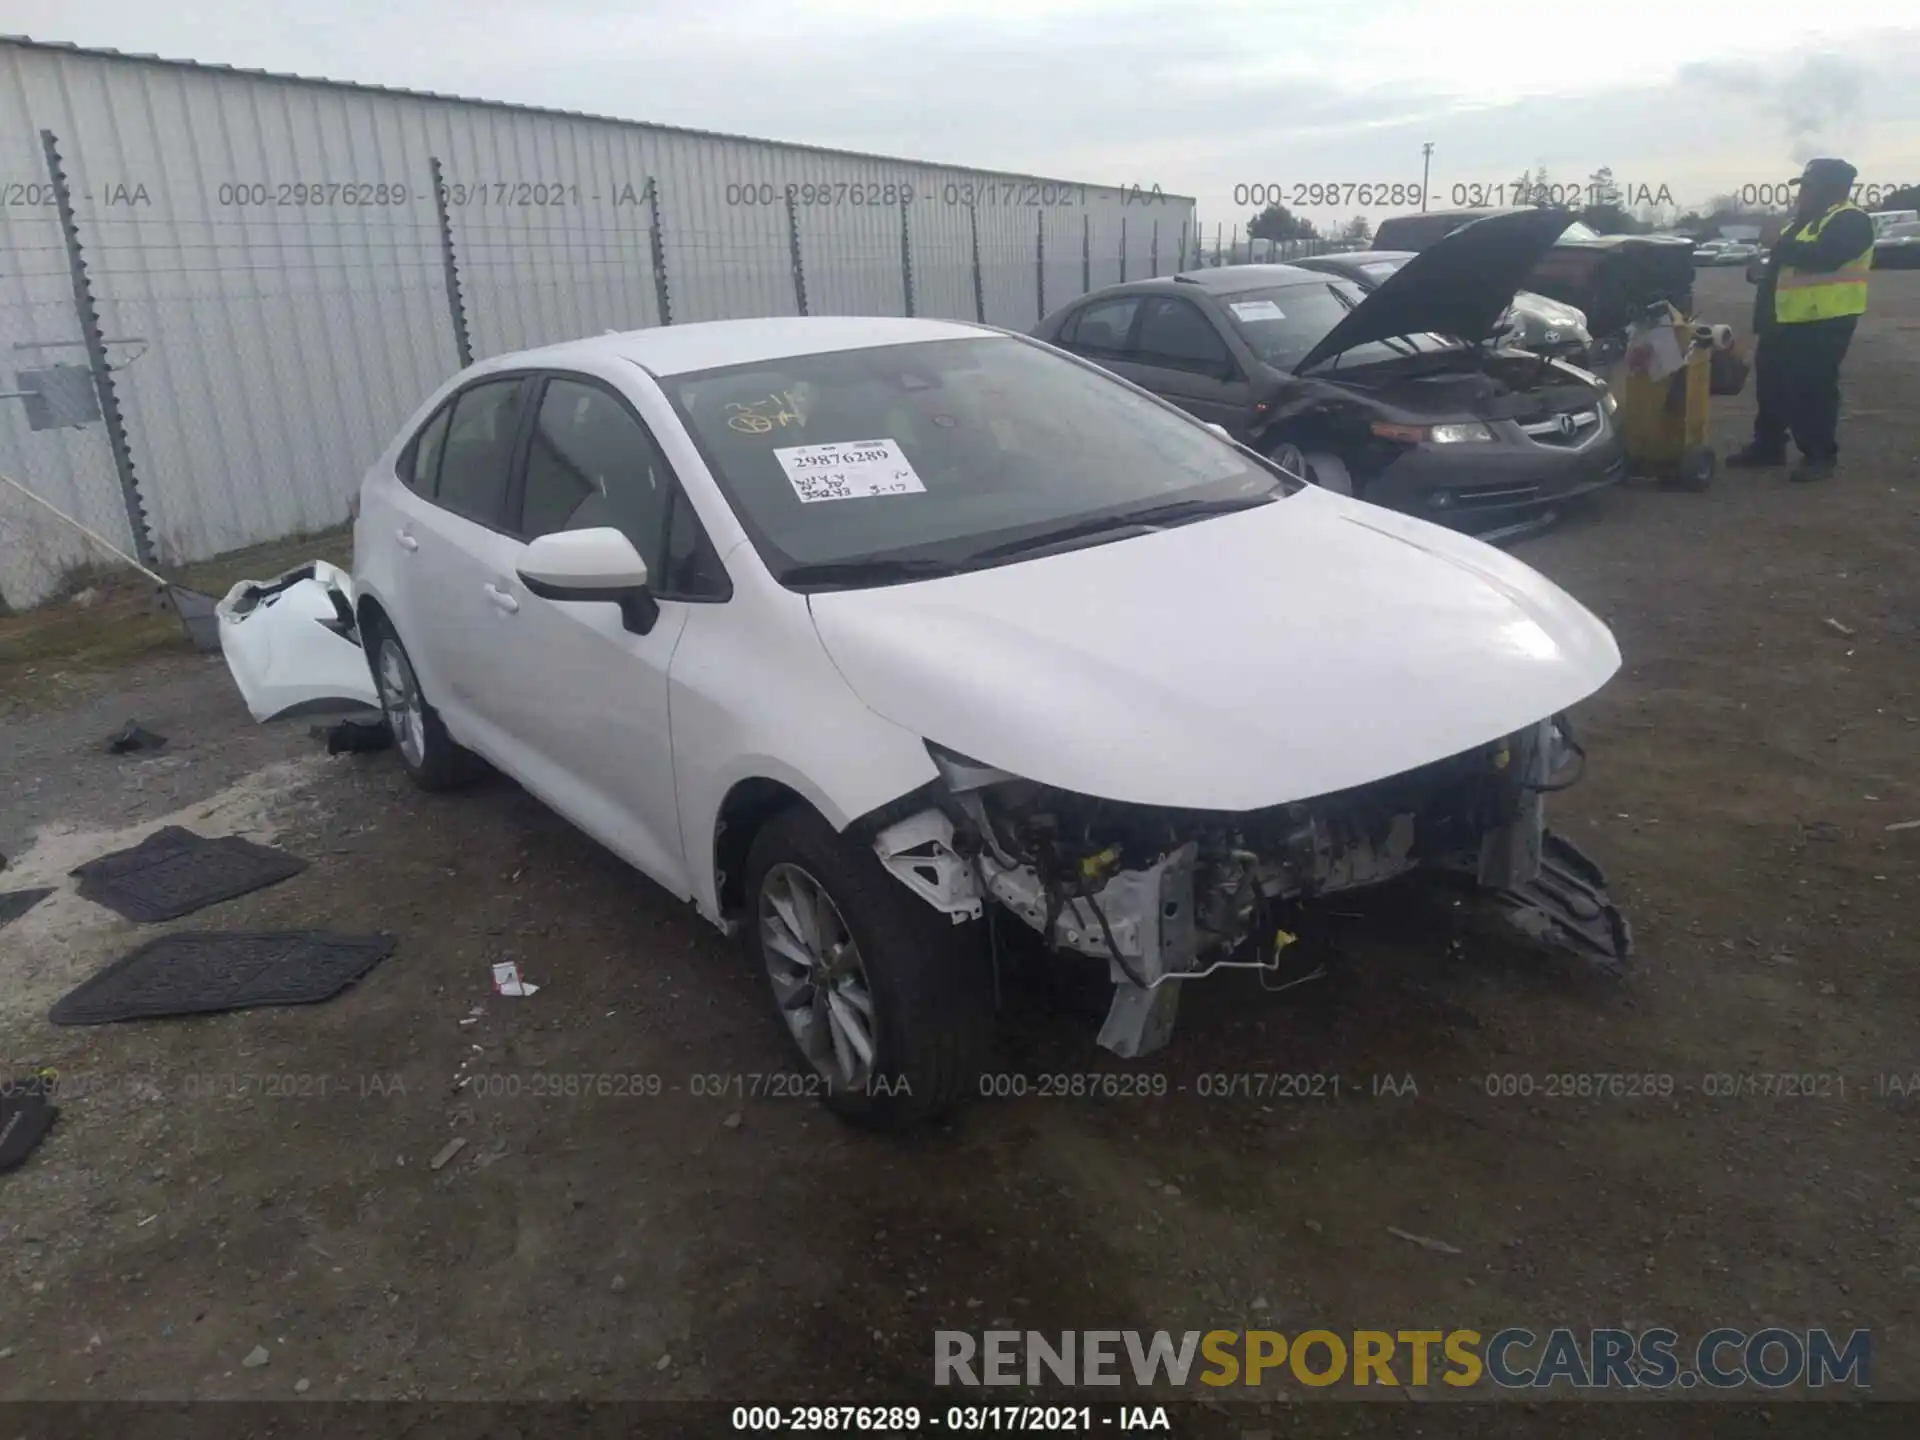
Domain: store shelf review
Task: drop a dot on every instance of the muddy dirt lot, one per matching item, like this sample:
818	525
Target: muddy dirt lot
263	1179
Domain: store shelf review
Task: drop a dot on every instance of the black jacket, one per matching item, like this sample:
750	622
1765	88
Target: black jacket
1847	235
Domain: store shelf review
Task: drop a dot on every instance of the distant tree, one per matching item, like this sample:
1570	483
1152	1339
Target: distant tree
1357	231
1906	198
1276	222
1609	219
1602	193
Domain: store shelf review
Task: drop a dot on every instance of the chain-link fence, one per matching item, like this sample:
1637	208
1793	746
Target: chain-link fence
60	430
192	380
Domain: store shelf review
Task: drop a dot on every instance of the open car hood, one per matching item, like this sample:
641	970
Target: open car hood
1459	285
1270	655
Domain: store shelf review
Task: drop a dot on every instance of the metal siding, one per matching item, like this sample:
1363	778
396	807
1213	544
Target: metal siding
69	468
286	344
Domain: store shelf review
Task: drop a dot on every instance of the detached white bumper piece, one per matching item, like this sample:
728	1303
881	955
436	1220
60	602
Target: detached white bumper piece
291	642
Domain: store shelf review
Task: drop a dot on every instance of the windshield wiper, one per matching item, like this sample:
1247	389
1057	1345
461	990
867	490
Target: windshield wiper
1175	511
866	569
1145	520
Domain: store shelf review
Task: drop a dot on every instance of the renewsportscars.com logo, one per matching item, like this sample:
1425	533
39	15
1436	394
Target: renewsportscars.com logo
1509	1359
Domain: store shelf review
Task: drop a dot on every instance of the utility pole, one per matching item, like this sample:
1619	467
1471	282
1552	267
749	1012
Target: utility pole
1426	171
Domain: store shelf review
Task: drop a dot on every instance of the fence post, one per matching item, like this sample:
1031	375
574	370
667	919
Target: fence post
450	263
1040	265
1216	244
1123	249
1086	253
1153	250
1184	226
659	245
90	337
793	246
906	258
979	289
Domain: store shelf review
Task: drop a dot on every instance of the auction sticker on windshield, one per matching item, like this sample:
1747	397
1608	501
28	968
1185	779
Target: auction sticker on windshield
855	470
1256	310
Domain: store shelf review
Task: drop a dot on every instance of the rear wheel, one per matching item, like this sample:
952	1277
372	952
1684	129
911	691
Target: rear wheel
429	754
887	1003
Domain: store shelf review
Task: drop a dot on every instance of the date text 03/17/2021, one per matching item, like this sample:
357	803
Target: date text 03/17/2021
960	1419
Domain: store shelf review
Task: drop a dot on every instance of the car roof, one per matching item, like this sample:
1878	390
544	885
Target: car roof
712	344
1432	215
1217	280
1368	257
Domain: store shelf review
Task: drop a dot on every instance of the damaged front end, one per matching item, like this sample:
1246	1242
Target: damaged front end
1164	895
291	642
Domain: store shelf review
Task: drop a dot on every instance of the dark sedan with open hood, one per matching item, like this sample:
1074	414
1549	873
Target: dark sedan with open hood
1402	395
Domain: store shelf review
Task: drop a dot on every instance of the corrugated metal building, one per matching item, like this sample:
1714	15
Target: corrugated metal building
270	266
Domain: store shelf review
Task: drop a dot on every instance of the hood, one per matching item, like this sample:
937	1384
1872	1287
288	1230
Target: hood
1459	285
1270	655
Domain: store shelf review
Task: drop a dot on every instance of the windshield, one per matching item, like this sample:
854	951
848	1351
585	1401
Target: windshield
930	452
1378	270
1579	231
1281	325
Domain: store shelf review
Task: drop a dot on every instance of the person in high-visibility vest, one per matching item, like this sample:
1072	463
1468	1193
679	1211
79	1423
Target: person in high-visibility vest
1810	298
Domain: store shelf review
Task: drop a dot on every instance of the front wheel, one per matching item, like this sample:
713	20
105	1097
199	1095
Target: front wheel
1330	473
887	1003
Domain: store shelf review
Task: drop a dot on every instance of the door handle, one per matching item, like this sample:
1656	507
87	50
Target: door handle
407	542
501	598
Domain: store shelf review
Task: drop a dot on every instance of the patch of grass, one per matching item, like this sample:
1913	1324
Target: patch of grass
125	618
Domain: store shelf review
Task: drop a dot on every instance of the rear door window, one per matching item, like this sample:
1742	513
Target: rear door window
479	450
1102	328
419	467
1175	335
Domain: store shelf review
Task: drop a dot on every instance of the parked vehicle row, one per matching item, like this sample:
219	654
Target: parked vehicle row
1715	253
1896	245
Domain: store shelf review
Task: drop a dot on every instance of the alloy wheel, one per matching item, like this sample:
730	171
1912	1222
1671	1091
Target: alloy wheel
400	698
818	979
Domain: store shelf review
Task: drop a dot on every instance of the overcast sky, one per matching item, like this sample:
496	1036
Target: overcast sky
1698	96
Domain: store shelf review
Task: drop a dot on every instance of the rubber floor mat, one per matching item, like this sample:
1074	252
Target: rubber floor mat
201	972
15	903
174	872
25	1118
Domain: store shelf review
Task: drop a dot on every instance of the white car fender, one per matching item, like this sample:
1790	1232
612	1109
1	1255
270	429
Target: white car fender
823	743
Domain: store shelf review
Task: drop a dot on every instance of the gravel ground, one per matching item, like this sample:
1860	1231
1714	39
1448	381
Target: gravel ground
264	1179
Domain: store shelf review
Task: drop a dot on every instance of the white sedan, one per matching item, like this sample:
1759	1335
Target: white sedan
851	631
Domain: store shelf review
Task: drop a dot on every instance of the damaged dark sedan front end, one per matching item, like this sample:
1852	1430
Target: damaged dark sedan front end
1407	394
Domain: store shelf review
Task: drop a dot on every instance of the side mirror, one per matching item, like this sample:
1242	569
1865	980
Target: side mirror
598	564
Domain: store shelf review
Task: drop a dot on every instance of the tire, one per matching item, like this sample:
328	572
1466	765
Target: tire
928	983
429	754
1330	473
1288	457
